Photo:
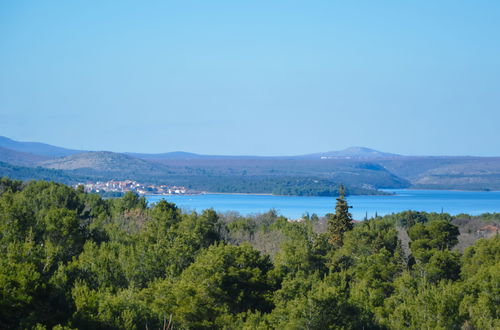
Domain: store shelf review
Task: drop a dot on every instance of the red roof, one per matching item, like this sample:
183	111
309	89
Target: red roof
489	228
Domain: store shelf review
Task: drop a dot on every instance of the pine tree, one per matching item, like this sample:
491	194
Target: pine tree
341	221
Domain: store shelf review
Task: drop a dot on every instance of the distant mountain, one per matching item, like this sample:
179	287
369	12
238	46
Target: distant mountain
353	153
51	151
181	155
360	153
37	148
167	155
355	166
104	161
19	158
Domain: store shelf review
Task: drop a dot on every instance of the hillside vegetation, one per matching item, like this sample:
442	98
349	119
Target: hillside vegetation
19	158
69	259
362	170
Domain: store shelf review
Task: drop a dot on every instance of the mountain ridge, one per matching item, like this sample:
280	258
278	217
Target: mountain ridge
36	148
48	150
355	165
354	152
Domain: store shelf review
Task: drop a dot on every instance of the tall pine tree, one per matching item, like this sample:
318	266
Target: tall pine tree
341	221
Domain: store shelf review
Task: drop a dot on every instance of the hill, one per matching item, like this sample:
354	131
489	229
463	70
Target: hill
167	155
358	167
467	173
38	173
353	173
19	158
37	148
356	153
359	153
102	161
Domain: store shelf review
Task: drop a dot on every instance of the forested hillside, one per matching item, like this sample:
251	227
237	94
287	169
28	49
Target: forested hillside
362	170
69	259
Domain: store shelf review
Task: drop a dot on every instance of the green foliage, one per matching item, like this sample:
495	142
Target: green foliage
438	234
371	259
20	283
407	219
417	304
10	185
302	250
430	246
481	274
105	309
340	222
73	260
224	279
129	201
312	303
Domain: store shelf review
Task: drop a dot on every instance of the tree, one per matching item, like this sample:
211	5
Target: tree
418	304
341	221
223	280
314	303
301	250
481	274
438	234
430	247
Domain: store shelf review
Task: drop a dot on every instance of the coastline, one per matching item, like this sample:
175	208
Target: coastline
388	192
259	194
224	193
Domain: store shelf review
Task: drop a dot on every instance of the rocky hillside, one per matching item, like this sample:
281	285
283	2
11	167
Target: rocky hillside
468	173
19	158
104	161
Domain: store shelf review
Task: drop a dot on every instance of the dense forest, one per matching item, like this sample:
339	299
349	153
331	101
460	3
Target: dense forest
70	260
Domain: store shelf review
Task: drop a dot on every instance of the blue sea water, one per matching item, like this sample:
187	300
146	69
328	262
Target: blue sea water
293	207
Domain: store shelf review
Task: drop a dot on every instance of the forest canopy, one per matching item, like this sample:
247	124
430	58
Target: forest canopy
70	259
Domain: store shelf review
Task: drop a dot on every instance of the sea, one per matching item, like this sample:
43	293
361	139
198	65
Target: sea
294	207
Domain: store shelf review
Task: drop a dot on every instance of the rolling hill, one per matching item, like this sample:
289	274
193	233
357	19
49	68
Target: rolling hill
36	148
102	161
20	158
363	169
466	173
39	173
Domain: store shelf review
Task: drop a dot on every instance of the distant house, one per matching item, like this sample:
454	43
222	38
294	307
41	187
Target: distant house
487	231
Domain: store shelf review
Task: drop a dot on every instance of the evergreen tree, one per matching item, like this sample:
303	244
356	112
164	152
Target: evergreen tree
341	221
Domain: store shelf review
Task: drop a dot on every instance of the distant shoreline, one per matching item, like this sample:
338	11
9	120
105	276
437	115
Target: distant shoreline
389	192
216	193
254	194
258	194
435	189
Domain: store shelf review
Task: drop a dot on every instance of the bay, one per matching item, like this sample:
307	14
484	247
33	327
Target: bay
293	207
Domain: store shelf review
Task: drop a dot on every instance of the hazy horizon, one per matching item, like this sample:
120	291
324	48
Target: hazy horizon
257	155
260	78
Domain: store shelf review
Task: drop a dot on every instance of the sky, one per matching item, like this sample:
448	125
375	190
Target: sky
252	77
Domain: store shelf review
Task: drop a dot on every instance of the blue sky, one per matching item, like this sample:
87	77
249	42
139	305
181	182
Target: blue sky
252	77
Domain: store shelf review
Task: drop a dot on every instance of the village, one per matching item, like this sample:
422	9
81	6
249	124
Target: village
134	186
